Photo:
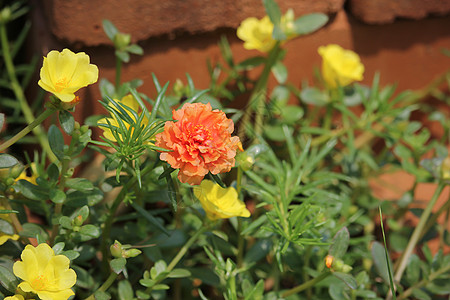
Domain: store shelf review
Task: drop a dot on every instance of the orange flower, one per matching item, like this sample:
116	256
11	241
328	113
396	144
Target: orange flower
200	142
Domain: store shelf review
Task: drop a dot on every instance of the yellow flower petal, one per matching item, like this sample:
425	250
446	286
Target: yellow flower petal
45	273
5	237
220	203
64	73
340	67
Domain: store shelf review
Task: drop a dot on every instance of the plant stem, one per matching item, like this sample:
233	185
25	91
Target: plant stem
112	277
36	122
423	282
185	248
109	221
18	92
180	254
417	233
305	285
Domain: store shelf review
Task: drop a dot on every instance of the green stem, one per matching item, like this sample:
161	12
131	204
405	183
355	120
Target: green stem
112	277
18	92
26	130
185	248
435	216
181	253
305	285
417	233
423	282
109	221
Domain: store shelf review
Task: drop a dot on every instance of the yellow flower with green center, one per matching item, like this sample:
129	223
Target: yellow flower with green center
220	203
44	273
64	73
129	101
257	34
340	67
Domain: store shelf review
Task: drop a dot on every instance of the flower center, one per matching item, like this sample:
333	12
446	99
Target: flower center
198	135
61	84
40	282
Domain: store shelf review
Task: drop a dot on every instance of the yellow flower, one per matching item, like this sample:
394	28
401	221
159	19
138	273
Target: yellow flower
257	34
220	203
4	237
44	273
64	73
129	101
32	178
15	297
340	67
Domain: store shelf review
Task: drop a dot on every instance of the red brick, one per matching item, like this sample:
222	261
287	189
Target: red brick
81	21
386	11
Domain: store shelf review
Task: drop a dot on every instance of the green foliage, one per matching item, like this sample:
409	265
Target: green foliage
309	172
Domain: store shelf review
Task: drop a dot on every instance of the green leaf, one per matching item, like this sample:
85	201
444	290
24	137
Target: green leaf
123	56
90	230
280	72
348	279
8	280
135	49
421	295
314	96
6	227
379	259
58	247
179	273
67	121
31	230
291	114
53	172
340	243
413	269
150	218
161	287
31	191
118	265
57	196
310	23
2	121
147	282
256	292
125	290
79	184
110	29
56	141
273	11
251	63
7	161
71	254
83	212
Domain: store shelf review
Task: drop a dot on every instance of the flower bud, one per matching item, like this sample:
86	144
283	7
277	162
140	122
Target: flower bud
5	15
445	169
131	253
122	40
245	161
116	249
329	261
78	221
